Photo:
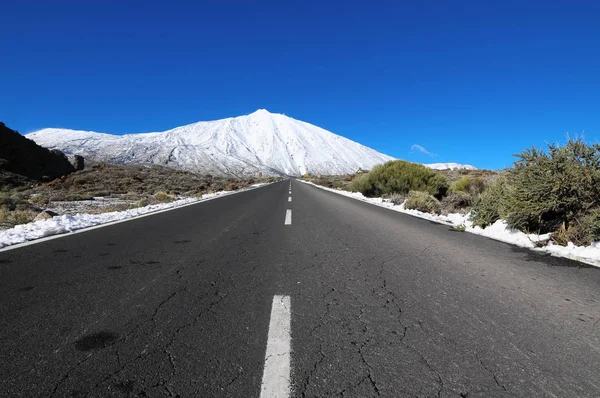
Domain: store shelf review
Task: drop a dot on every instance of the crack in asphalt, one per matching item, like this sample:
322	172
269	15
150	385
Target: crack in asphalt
68	373
123	364
322	354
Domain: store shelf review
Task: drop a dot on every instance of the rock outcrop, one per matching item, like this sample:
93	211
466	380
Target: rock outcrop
23	157
78	162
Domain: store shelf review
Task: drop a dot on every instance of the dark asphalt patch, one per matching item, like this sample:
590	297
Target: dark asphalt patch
125	387
549	260
95	341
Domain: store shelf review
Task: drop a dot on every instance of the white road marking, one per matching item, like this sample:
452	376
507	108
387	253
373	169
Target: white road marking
290	199
276	376
288	217
290	192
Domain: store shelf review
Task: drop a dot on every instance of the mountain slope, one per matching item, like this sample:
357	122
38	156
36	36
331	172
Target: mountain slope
245	145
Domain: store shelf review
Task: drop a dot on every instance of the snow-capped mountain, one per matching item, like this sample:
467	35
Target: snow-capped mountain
272	144
259	142
450	166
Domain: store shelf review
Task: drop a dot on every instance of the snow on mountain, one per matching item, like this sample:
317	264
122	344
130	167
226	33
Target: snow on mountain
450	166
260	142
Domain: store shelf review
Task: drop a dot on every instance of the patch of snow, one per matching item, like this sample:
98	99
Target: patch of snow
84	206
498	231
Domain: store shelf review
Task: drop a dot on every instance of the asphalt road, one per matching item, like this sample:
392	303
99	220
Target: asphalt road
382	304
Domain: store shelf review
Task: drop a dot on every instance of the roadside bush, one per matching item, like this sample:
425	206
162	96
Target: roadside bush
362	184
163	197
398	176
9	219
487	207
423	201
338	184
555	189
456	203
397	198
467	185
39	199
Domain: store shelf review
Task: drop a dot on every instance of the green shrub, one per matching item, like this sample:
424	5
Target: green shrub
461	185
398	176
423	201
554	189
456	202
39	199
143	202
397	198
362	184
487	207
468	185
163	197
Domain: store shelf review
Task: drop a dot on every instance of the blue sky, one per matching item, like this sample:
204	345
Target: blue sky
467	81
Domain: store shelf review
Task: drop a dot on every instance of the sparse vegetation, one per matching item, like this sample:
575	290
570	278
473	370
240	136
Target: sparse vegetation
467	185
127	187
397	198
460	228
163	197
10	218
423	201
487	206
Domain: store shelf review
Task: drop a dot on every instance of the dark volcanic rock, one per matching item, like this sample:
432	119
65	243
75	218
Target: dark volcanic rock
22	156
78	162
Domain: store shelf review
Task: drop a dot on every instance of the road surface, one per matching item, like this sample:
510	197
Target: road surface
256	294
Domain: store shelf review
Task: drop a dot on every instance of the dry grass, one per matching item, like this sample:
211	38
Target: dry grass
12	218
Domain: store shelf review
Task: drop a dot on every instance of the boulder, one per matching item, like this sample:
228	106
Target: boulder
45	215
78	162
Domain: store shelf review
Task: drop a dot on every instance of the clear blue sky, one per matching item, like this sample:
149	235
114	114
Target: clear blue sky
468	81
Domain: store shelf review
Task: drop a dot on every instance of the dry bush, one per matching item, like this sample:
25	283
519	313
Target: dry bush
423	201
12	218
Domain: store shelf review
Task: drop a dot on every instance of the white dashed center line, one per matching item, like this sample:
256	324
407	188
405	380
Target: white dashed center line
290	199
288	217
276	376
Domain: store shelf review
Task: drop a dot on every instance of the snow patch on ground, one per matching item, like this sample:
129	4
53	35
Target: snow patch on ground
498	230
69	223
